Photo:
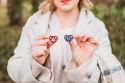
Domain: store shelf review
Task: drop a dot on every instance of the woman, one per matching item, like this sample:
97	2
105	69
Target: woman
64	43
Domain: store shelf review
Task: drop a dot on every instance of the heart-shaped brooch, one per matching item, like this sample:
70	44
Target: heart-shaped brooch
53	39
68	38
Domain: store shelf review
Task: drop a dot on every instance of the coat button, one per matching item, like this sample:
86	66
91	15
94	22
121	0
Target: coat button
63	67
36	23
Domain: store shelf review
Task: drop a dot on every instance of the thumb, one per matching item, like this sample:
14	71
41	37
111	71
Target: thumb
49	44
73	44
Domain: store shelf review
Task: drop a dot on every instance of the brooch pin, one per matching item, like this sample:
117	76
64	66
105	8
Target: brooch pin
53	39
68	38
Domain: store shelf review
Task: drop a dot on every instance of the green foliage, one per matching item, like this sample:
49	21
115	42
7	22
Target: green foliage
8	41
35	4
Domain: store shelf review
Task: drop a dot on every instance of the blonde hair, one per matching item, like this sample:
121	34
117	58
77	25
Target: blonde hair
48	5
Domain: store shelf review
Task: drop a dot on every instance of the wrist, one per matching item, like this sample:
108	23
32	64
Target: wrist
77	63
81	60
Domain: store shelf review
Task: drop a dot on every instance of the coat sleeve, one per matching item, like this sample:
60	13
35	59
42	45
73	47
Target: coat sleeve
22	68
84	73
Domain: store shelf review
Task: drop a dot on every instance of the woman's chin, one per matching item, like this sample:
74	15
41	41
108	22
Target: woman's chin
66	9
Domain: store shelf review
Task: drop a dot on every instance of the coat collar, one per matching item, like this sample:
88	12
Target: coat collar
41	21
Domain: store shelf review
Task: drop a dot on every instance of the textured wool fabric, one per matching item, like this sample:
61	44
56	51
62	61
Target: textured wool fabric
102	67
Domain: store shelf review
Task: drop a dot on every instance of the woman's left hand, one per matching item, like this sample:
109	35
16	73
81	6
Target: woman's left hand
82	46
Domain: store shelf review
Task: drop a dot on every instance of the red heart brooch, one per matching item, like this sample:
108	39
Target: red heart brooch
53	39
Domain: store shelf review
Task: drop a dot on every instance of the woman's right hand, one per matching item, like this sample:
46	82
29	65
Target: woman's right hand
40	48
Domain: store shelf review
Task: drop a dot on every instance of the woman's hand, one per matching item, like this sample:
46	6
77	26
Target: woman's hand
82	47
40	48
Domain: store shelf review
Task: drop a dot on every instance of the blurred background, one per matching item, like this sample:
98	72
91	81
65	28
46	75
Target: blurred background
14	13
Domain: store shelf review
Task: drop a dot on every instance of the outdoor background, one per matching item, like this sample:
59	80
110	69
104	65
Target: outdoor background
14	13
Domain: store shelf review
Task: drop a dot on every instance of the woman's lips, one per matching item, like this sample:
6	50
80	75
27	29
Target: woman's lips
65	1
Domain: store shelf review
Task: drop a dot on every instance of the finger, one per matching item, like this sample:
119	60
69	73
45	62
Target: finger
75	36
42	36
80	37
40	48
46	50
42	53
49	44
37	54
93	41
95	44
86	38
40	43
73	44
